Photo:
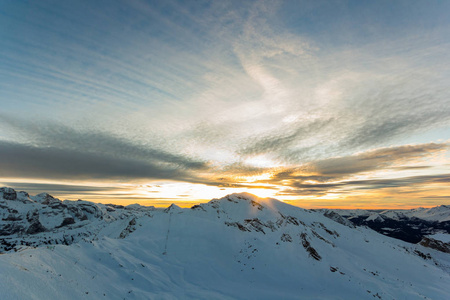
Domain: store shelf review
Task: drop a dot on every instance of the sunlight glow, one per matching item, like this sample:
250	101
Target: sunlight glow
261	161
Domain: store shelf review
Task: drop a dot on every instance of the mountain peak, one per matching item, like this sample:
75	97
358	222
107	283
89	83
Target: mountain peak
239	197
45	198
240	201
8	193
173	208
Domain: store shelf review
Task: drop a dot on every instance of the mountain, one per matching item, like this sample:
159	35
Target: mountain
412	225
236	247
44	220
435	214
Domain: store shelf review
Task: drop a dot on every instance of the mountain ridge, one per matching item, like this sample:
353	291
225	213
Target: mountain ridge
413	225
236	247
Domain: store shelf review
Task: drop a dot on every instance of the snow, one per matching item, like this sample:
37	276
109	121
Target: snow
375	218
236	247
351	212
387	229
392	214
437	214
443	237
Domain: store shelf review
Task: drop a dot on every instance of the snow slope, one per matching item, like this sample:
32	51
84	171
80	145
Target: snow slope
236	247
443	237
438	214
435	214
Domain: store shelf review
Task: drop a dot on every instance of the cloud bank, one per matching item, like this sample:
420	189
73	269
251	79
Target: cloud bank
304	97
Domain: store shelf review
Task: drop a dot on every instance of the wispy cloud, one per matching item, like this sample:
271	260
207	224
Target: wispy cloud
57	151
214	92
59	136
337	175
383	158
37	162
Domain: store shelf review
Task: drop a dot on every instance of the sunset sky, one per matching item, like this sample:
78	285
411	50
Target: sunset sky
319	103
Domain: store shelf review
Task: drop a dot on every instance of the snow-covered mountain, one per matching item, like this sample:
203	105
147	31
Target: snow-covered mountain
408	225
44	220
236	247
435	214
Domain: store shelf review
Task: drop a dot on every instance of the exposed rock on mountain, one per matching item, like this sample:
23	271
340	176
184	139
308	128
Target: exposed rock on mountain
407	225
44	220
435	244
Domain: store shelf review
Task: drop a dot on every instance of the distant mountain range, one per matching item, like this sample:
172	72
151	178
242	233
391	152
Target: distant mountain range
236	247
412	225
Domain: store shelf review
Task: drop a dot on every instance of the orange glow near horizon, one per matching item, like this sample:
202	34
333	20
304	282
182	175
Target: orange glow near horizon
303	186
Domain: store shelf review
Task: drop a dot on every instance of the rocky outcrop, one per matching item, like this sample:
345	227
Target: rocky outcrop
129	229
338	218
8	193
46	199
46	220
435	244
410	226
285	237
35	225
307	245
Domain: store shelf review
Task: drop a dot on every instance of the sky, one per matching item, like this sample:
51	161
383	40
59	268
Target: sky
340	104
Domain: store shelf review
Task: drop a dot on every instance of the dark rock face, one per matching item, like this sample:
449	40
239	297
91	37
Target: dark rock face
396	224
338	218
35	227
67	221
409	230
48	199
307	245
8	193
255	224
45	220
13	217
435	244
238	225
11	228
129	229
77	212
285	237
91	209
35	224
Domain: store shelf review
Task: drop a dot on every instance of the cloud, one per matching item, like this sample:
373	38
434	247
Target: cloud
375	159
26	161
343	187
436	197
321	176
367	110
236	67
285	137
399	182
51	150
191	91
378	159
55	136
399	109
59	188
335	174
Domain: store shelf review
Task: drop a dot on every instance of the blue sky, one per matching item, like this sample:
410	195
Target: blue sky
187	100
